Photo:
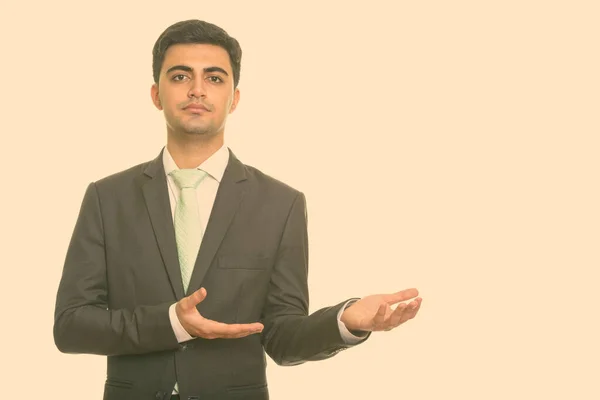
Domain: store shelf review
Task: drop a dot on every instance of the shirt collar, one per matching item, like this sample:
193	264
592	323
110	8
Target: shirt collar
214	165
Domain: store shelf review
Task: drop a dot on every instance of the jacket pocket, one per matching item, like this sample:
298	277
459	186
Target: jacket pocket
246	388
120	383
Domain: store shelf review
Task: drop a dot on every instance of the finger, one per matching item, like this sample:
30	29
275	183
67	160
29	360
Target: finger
241	328
396	317
194	299
414	308
409	312
239	333
379	319
402	295
222	330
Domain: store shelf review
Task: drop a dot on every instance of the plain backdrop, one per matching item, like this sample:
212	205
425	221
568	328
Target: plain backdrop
450	146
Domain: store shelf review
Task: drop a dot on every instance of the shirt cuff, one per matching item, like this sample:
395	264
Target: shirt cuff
180	332
347	336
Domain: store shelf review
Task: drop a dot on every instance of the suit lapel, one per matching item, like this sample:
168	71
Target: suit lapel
159	208
227	201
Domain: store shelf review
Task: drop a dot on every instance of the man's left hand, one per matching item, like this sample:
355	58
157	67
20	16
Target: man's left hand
374	313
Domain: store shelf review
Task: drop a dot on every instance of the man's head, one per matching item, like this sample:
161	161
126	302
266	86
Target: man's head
196	68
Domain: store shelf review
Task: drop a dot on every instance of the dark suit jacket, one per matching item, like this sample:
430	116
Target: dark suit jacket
121	274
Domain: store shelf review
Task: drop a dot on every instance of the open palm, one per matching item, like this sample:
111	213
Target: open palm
375	312
196	325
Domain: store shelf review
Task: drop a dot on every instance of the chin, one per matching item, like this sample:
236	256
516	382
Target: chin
198	131
192	130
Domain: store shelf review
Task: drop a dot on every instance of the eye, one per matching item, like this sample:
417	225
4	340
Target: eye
178	77
215	79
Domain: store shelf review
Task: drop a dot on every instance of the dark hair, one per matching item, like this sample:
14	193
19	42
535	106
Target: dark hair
196	31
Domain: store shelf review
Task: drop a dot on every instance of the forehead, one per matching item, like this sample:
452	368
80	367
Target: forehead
196	55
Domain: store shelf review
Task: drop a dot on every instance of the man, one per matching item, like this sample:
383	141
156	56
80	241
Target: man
185	270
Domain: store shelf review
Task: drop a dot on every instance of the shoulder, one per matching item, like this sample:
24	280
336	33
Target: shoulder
268	180
267	185
123	177
125	182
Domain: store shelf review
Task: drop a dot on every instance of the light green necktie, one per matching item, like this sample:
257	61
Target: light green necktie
188	231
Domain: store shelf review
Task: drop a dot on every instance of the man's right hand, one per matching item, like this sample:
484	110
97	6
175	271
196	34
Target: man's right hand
198	326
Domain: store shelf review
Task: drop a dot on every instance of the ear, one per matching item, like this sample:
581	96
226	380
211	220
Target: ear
236	99
155	96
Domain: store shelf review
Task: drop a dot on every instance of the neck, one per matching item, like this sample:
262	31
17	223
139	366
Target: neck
191	153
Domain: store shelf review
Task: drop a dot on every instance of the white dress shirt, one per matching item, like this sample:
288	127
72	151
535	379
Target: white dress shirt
214	166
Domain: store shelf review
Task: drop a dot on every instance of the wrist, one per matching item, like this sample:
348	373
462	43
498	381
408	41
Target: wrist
347	321
180	312
180	331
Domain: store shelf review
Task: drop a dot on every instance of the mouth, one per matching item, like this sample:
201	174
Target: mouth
196	108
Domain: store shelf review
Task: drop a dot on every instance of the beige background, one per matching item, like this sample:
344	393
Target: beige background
446	145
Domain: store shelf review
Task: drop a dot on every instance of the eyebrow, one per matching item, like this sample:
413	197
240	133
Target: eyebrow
190	69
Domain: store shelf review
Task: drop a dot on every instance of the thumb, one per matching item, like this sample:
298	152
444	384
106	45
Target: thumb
194	299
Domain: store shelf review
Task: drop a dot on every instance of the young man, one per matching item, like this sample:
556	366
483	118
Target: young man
186	269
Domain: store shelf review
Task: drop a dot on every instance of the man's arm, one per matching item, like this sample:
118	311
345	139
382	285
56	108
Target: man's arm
291	336
83	323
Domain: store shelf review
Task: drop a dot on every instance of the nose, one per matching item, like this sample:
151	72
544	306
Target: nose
197	89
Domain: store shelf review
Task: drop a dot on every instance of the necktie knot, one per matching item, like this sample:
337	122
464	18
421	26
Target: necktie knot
188	178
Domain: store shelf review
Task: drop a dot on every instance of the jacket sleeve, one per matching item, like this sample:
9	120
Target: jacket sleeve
291	336
83	322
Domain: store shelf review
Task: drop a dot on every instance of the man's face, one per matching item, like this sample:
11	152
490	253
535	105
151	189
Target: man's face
195	89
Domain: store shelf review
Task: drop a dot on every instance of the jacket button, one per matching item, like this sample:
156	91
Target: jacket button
160	395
